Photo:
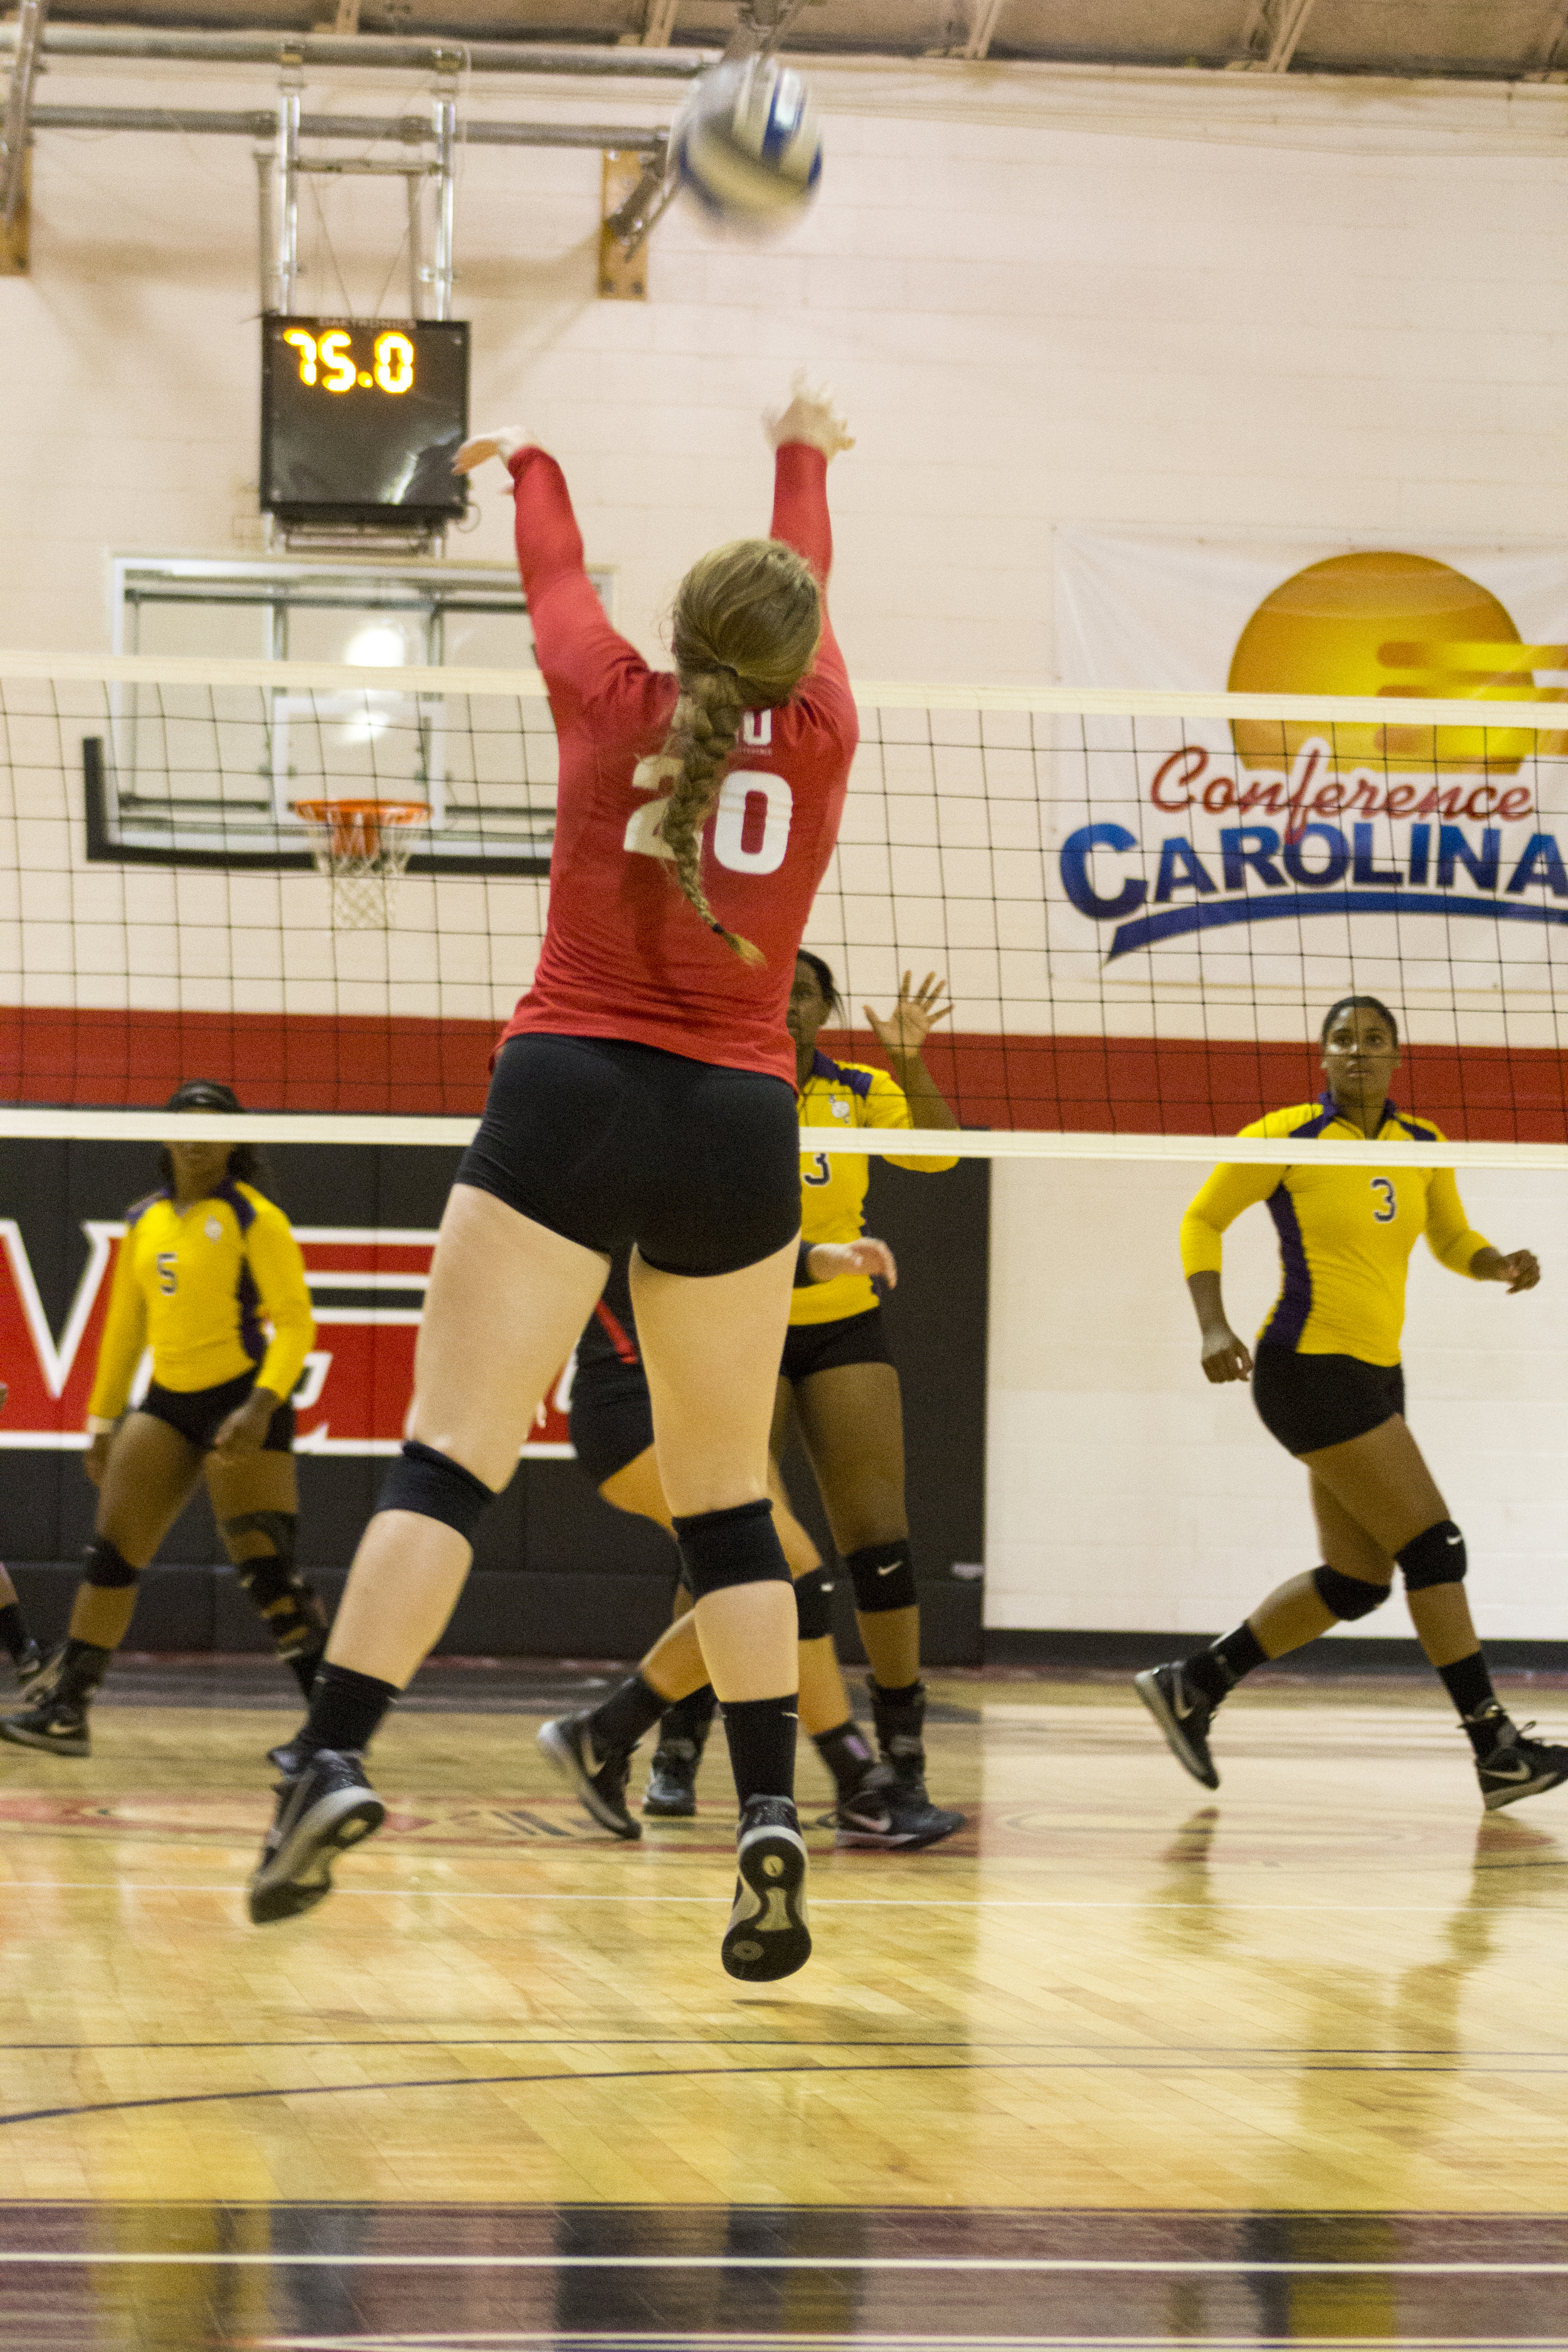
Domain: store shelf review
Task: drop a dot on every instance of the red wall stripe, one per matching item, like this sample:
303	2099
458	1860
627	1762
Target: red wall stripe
1088	1085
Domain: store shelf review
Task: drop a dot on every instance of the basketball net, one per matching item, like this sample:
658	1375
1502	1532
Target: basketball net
364	846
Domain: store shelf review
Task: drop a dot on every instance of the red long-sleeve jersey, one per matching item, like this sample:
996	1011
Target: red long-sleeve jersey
624	955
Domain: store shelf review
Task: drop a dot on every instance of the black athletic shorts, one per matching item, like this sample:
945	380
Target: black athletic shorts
611	1417
608	1143
1308	1402
199	1414
820	1347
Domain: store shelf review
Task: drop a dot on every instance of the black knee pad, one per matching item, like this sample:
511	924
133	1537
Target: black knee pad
884	1577
107	1567
437	1487
740	1546
1435	1557
280	1529
813	1605
1348	1596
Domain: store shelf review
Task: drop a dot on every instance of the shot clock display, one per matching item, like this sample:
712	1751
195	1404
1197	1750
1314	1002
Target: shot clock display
361	419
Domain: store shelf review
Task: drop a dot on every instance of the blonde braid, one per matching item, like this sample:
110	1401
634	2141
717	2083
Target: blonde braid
703	737
747	621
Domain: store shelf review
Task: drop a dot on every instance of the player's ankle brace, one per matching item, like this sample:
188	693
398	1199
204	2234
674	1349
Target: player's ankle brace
884	1576
899	1717
689	1719
78	1676
740	1546
633	1707
814	1604
295	1617
1349	1597
346	1709
848	1755
761	1733
1435	1557
437	1487
107	1567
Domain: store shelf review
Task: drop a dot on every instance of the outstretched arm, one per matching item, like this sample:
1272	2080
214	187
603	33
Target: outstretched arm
808	435
583	657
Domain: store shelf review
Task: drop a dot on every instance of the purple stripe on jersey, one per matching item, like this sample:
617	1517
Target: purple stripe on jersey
1289	1320
228	1191
252	1338
858	1081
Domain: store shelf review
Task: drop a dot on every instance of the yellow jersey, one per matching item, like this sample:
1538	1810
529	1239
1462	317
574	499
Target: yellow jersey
194	1287
1345	1233
833	1185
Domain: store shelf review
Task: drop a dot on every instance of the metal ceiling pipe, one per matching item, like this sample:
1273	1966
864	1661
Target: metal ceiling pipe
411	129
383	50
30	30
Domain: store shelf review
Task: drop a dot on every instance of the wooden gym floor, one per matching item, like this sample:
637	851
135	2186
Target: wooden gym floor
1119	2066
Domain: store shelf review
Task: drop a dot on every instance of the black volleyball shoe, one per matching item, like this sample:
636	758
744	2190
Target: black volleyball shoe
292	1757
767	1936
1518	1766
599	1781
57	1725
887	1812
328	1807
671	1791
1184	1715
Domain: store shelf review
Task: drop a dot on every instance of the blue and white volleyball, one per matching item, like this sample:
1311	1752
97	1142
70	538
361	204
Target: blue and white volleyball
746	142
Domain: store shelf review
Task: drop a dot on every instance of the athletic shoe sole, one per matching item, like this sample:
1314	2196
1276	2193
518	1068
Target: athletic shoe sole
1510	1794
555	1746
1176	1740
74	1744
661	1809
300	1874
767	1936
937	1825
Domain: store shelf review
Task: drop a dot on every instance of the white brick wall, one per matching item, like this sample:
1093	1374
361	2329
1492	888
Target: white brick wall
1320	307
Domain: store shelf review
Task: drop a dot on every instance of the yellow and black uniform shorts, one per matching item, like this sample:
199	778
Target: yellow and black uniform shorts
1309	1401
823	1347
199	1414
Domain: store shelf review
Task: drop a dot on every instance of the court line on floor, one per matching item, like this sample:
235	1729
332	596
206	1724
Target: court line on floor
818	1903
780	2342
713	2074
1031	2265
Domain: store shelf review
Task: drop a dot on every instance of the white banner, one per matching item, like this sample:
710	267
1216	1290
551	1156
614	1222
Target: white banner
1221	881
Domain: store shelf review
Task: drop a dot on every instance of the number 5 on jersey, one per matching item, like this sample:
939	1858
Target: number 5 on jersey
751	825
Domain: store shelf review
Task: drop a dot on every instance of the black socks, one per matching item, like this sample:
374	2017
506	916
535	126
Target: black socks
13	1631
620	1720
761	1732
346	1709
1469	1685
1216	1671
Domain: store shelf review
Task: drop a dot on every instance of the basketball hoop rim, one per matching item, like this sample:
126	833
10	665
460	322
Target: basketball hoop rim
379	812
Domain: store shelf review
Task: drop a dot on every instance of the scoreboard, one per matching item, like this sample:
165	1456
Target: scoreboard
361	420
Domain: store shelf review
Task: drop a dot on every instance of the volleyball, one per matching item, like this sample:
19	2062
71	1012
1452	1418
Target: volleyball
746	142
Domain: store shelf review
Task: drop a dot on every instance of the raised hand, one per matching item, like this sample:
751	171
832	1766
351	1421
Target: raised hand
504	442
810	417
906	1028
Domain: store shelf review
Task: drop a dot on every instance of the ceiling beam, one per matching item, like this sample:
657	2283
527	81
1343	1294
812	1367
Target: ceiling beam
396	53
1272	33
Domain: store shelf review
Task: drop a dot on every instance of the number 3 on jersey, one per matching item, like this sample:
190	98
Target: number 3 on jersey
1388	1206
751	825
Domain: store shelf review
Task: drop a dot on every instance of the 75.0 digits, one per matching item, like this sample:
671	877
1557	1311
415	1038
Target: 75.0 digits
328	360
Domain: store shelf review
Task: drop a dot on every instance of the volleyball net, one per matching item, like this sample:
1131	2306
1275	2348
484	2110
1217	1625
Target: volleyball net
328	886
